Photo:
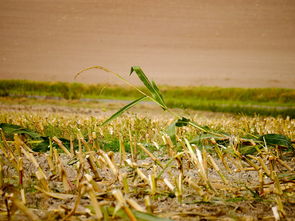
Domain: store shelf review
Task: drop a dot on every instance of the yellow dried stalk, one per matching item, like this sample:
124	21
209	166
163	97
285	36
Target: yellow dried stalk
20	170
169	184
196	187
23	196
178	182
270	188
51	149
119	197
94	202
79	144
198	161
132	147
42	180
169	144
180	166
80	156
131	164
3	150
148	205
21	175
280	206
251	163
284	164
61	196
25	210
217	150
156	145
57	162
215	166
277	186
205	160
123	204
177	157
91	162
129	213
1	174
141	175
73	153
153	184
124	180
85	144
264	167
261	181
95	145
271	166
122	151
155	159
6	146
66	183
50	163
17	144
250	169
135	205
60	144
225	164
30	157
237	162
90	180
80	175
110	164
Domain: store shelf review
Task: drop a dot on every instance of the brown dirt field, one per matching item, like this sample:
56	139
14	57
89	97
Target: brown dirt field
240	43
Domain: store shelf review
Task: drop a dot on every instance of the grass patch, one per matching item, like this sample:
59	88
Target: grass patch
250	101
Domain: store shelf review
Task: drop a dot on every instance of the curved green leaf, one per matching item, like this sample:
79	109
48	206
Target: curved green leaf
122	110
171	132
276	139
151	86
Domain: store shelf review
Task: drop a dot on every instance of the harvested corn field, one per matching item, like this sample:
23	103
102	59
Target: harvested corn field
130	169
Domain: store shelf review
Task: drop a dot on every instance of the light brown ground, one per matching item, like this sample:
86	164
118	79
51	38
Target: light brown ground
240	43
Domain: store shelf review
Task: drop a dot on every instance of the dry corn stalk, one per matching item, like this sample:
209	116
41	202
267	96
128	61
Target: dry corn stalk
59	143
24	209
123	204
94	202
155	159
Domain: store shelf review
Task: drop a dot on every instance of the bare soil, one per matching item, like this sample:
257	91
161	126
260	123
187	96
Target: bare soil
229	43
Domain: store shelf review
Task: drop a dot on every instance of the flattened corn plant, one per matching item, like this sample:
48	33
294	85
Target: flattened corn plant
200	178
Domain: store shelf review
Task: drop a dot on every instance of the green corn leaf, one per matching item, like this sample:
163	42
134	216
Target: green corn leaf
171	129
11	129
122	110
171	132
276	139
182	122
246	150
151	86
158	91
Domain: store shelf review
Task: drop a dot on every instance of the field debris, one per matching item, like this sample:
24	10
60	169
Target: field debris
211	179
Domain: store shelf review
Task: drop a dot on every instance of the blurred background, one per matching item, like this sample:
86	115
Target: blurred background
228	43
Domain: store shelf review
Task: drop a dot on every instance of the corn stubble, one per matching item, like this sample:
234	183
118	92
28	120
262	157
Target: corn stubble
161	176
